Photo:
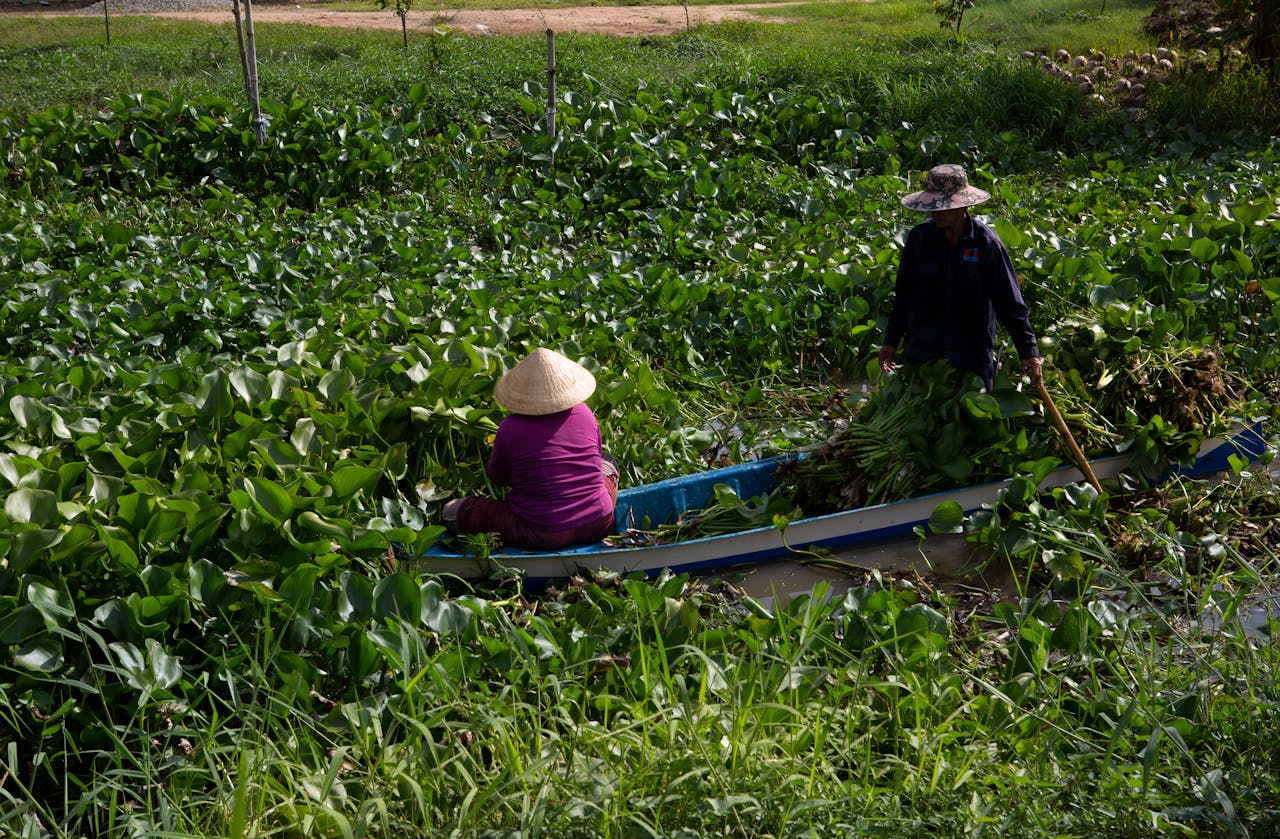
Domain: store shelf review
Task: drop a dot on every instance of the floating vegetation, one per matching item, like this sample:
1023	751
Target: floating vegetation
237	375
929	427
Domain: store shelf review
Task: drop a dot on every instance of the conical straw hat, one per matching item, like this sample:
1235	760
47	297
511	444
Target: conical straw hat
544	382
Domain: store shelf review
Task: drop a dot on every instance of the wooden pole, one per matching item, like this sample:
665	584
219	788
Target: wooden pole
551	84
106	19
1072	446
1263	45
259	125
244	57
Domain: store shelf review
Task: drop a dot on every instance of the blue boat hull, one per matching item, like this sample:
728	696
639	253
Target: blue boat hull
663	502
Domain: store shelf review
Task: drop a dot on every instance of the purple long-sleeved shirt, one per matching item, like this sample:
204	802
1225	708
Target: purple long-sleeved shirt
553	465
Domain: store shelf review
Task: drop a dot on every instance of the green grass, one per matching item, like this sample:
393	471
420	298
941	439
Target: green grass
47	60
1014	25
1112	26
68	62
637	710
895	47
227	366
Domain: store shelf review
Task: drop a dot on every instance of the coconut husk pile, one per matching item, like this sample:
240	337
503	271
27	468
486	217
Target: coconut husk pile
1193	24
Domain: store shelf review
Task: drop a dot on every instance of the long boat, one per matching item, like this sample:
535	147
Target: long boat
649	505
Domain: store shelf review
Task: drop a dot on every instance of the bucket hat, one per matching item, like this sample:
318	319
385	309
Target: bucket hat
946	187
544	382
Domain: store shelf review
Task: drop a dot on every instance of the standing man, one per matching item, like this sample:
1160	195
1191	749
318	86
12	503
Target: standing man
955	280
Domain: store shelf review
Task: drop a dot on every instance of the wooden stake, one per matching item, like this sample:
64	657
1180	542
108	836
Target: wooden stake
251	82
551	84
244	58
1072	446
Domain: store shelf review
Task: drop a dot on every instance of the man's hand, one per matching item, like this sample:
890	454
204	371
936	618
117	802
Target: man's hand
1031	368
887	353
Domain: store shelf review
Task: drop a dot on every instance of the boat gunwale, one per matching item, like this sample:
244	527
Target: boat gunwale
829	530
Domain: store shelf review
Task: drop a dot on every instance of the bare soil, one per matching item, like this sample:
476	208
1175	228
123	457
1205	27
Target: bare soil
627	21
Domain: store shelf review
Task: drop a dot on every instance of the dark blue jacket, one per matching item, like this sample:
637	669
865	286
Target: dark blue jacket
947	299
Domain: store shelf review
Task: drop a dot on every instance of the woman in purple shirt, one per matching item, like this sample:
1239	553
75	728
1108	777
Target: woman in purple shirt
548	451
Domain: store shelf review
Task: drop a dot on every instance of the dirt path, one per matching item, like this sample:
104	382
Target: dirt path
628	21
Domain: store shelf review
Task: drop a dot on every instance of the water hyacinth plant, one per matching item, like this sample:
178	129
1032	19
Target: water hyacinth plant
236	375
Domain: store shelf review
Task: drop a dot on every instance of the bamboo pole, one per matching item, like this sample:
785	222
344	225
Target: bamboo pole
259	125
1067	436
244	57
551	84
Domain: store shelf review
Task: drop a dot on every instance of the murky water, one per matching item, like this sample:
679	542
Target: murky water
950	563
946	560
1254	618
1257	616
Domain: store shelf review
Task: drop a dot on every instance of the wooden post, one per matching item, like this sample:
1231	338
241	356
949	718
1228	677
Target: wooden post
244	59
1068	437
259	125
1263	45
106	19
551	84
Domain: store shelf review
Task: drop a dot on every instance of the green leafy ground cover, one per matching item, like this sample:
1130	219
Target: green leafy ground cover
236	374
